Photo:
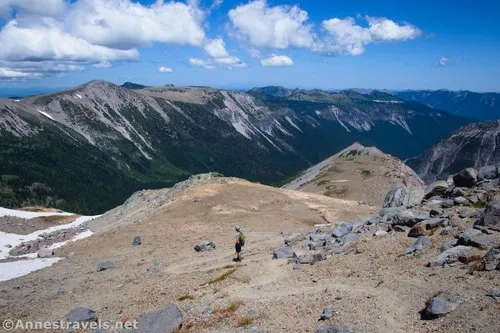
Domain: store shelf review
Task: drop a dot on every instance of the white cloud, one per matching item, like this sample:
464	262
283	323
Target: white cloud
216	48
274	27
346	37
443	61
6	73
165	69
228	61
216	4
35	7
277	61
103	64
207	64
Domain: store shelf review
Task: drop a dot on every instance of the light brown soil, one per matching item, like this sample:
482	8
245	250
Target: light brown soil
378	290
16	225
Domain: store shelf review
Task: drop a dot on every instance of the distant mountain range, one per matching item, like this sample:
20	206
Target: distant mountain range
481	106
474	145
88	148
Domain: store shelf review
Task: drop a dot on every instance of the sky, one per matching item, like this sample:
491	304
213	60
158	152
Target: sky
326	44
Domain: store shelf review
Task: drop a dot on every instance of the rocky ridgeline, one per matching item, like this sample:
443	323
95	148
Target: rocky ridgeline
466	207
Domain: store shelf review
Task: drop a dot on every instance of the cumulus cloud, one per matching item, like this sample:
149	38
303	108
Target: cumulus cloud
344	36
207	64
91	32
6	74
216	4
277	61
443	61
216	48
165	69
274	27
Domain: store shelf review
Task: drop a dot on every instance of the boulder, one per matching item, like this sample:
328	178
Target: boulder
417	230
460	201
342	230
420	244
495	293
204	246
402	196
449	256
438	188
447	203
488	172
465	178
474	237
166	320
137	241
281	253
104	265
328	313
294	238
441	305
448	245
491	216
81	315
434	223
380	233
492	260
45	253
399	216
336	329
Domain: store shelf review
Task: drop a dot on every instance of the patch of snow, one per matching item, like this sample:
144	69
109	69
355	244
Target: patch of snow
15	239
292	123
12	270
318	112
17	100
280	127
387	102
46	114
336	111
29	215
82	235
79	96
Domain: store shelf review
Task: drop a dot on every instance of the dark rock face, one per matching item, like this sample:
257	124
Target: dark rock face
402	196
488	172
474	145
166	320
491	216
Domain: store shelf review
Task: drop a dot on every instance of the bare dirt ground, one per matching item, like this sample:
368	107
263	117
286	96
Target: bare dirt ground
375	289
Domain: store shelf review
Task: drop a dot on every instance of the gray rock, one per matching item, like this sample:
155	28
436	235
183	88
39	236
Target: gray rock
418	230
45	253
420	244
317	237
204	246
434	223
435	212
447	231
281	253
350	238
137	241
465	178
473	237
9	246
441	305
447	203
328	313
448	245
336	329
488	172
464	213
438	188
491	216
460	201
492	260
406	217
297	266
254	329
342	230
449	256
166	320
374	220
104	265
402	196
380	233
294	239
495	293
81	315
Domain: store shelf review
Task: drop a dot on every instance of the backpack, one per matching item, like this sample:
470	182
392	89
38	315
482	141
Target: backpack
241	240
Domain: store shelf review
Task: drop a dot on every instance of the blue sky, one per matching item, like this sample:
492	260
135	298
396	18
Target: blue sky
242	44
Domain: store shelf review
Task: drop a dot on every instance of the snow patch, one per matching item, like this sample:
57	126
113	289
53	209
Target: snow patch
46	114
290	121
79	96
387	102
82	235
29	215
14	269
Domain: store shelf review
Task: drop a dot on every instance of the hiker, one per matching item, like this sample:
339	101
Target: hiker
240	241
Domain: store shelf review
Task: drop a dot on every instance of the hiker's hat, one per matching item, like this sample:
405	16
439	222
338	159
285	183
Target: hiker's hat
237	228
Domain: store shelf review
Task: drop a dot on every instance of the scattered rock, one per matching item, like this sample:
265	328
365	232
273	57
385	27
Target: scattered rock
434	223
492	260
297	266
440	305
380	233
166	320
447	203
494	293
463	213
45	253
402	196
81	315
491	216
474	237
448	245
342	230
460	201
420	245
449	256
137	241
328	313
104	265
438	188
283	253
336	329
204	246
417	230
465	178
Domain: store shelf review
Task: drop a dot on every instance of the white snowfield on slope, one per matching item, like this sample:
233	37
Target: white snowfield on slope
14	269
